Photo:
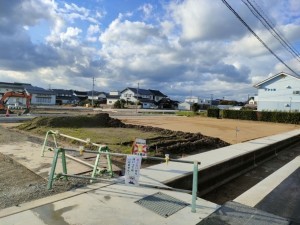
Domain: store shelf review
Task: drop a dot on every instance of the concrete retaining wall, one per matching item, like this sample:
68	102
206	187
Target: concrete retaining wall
214	176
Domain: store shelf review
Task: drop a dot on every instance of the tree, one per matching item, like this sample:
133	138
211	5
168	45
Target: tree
119	104
195	107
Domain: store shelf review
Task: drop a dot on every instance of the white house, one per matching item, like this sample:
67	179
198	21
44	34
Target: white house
6	87
96	95
40	96
112	97
138	94
280	92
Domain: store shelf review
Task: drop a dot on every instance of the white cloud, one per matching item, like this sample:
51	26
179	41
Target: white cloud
147	10
72	12
205	20
70	37
92	31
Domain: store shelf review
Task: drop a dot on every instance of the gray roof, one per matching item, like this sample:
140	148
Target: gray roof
37	90
96	93
62	91
157	93
112	96
14	85
138	91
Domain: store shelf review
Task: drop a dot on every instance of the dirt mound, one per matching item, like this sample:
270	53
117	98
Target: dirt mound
178	142
98	120
168	142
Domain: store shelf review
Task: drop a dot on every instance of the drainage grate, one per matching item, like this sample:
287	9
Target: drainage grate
162	204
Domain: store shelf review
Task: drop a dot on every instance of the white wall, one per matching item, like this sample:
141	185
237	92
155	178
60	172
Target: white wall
184	106
279	94
111	101
43	99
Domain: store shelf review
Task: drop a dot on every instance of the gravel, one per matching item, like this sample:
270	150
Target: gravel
19	184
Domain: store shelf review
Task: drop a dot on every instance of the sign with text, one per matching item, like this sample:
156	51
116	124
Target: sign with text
132	169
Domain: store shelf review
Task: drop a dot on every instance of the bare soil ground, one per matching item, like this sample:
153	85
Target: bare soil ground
231	131
18	184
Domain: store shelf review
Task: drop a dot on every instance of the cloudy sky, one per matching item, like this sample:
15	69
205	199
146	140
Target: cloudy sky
183	47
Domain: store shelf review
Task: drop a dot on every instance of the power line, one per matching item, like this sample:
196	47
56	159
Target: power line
257	37
272	24
272	30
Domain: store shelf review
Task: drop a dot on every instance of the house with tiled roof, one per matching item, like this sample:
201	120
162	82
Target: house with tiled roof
97	96
16	87
65	96
112	97
40	96
146	97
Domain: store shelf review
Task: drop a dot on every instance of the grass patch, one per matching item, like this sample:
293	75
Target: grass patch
117	139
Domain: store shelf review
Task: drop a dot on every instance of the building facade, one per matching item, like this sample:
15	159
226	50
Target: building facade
280	92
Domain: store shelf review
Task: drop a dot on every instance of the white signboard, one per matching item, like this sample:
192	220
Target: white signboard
132	169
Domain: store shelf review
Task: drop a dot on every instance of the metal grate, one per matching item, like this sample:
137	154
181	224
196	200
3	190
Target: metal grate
162	204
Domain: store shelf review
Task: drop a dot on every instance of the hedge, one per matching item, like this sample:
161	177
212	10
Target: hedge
213	112
240	114
267	116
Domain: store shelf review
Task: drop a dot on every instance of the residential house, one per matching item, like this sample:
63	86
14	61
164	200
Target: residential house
192	99
147	103
17	87
147	98
65	96
97	96
112	97
167	103
40	96
82	95
132	94
157	95
251	101
280	92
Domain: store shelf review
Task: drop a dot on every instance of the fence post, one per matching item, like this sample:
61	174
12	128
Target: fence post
45	141
57	151
195	186
52	171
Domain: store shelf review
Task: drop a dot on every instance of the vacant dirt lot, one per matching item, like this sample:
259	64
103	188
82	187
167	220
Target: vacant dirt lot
231	131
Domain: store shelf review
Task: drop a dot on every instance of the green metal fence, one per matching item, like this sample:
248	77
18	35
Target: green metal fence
104	150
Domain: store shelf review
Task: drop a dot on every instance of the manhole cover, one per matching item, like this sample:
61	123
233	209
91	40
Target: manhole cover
162	204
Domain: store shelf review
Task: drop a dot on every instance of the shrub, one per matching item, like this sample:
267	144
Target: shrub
213	112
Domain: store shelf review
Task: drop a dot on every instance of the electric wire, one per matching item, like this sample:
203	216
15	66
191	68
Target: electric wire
271	29
273	26
257	37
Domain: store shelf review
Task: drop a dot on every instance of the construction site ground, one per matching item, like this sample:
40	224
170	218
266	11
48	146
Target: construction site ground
25	182
231	131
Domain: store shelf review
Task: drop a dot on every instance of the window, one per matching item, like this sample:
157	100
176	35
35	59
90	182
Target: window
296	92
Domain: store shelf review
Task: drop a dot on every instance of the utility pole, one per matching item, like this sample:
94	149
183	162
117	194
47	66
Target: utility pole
137	96
93	92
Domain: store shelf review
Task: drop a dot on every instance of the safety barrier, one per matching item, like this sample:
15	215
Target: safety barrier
103	150
61	151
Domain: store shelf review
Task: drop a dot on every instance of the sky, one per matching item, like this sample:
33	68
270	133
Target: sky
182	48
